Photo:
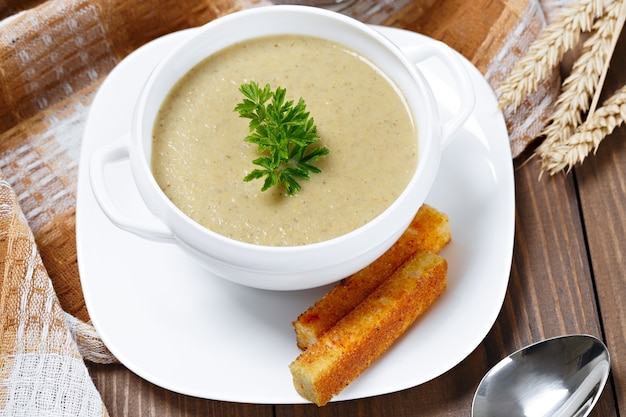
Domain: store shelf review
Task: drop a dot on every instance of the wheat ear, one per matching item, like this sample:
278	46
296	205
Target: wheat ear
547	51
579	87
564	156
617	30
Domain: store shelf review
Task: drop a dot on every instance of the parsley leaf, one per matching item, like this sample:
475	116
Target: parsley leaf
283	133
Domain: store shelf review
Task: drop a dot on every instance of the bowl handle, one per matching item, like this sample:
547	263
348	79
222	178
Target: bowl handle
454	65
113	152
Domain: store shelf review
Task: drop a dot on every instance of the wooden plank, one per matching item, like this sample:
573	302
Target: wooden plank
602	187
126	394
552	291
551	271
602	184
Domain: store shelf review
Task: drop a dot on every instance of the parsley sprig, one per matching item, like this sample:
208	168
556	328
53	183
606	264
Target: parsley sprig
284	133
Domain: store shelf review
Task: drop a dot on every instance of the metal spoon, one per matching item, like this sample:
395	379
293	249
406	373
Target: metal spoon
559	377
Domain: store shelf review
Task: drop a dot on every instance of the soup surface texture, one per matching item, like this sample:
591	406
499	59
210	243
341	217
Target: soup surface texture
199	157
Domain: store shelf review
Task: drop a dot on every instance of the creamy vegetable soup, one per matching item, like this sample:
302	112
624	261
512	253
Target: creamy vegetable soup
199	157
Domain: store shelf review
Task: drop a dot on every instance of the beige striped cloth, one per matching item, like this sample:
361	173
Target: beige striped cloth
53	56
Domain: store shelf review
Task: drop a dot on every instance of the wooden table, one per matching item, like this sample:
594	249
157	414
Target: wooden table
568	276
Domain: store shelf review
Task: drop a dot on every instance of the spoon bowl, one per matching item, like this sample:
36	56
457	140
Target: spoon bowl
559	377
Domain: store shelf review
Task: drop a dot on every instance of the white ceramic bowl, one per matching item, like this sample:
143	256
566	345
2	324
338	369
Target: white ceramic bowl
294	267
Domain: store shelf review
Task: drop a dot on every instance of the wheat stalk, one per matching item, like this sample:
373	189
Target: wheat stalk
564	156
547	51
583	81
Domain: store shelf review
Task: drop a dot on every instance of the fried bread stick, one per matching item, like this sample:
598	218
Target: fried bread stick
429	230
342	353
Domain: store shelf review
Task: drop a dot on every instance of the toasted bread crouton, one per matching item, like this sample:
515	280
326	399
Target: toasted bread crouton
429	231
342	353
